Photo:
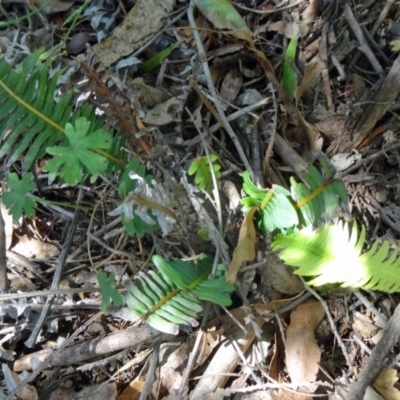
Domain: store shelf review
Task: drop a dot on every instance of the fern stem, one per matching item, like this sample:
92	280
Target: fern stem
30	108
266	200
314	194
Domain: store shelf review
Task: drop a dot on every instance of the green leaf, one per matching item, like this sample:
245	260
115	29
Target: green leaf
276	207
156	60
172	297
223	15
333	254
74	161
108	291
16	200
289	76
200	167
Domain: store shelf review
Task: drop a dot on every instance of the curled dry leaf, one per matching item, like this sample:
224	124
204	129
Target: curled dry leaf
245	249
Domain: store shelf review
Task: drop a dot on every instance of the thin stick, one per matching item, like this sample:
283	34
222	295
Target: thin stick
355	27
58	273
213	92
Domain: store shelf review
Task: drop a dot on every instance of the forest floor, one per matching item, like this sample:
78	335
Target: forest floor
196	97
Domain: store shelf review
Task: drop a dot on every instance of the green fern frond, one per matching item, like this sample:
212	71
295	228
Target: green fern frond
172	297
30	119
317	199
333	254
201	168
276	207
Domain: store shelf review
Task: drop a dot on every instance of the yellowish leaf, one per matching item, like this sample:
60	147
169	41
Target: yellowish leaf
245	249
385	382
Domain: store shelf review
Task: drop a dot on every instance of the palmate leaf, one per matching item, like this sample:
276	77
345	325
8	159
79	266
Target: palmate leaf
333	254
108	291
30	118
16	200
72	159
172	297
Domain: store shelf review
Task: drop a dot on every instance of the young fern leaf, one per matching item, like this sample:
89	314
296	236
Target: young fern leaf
314	200
333	254
277	209
172	297
200	167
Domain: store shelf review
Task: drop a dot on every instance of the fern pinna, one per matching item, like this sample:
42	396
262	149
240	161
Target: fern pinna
333	254
31	121
172	297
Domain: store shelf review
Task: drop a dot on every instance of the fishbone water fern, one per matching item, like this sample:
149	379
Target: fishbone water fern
333	254
324	252
172	297
30	119
317	199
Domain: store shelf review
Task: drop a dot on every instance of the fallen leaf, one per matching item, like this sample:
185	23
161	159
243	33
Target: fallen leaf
133	32
302	352
385	382
33	248
164	113
132	391
231	85
245	249
290	29
312	72
224	16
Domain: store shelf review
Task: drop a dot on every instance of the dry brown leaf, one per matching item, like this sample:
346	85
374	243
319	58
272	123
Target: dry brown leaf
133	32
278	276
164	113
33	248
266	308
311	74
290	29
385	382
231	85
245	249
149	96
132	391
302	352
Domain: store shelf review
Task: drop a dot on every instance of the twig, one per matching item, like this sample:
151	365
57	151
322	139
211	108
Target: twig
255	152
213	92
276	10
385	219
3	258
151	370
58	273
379	353
25	295
355	27
43	365
372	157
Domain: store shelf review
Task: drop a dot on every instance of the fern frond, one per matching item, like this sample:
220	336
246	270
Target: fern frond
172	297
201	168
30	119
333	254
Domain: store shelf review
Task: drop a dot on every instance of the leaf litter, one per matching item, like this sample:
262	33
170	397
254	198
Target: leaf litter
334	83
